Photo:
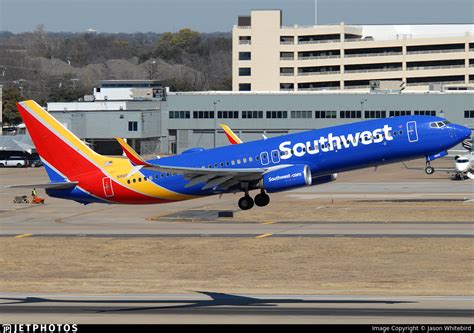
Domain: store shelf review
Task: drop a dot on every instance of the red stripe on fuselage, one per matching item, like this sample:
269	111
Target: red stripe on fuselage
75	166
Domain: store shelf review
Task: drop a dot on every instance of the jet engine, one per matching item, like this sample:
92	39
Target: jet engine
286	178
324	179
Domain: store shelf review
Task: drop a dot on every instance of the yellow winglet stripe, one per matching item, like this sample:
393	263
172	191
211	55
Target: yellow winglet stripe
234	139
131	154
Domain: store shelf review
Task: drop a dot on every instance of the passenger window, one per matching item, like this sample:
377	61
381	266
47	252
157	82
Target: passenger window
134	180
227	163
222	164
209	166
400	132
128	181
257	158
233	162
215	165
140	179
167	174
238	161
244	160
250	159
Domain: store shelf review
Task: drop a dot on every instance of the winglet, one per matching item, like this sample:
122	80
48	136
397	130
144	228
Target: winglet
131	154
231	136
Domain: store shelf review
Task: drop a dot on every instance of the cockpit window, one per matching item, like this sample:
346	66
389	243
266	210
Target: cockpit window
434	125
440	124
446	122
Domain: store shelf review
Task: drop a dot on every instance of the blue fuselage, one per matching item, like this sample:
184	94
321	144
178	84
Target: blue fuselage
325	151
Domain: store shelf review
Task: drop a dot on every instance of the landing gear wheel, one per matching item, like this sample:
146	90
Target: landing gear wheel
429	170
262	199
246	202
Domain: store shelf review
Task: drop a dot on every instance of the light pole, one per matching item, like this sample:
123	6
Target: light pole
215	117
362	107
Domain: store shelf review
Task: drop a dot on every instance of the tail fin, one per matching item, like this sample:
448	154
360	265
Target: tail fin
64	154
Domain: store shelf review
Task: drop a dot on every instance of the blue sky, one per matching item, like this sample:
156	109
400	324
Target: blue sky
219	15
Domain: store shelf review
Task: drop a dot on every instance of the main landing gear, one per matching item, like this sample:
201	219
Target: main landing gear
246	202
429	169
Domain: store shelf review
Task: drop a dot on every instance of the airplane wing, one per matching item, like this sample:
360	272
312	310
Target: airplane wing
211	177
55	186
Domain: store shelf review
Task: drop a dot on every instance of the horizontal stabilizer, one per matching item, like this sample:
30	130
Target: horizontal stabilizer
55	186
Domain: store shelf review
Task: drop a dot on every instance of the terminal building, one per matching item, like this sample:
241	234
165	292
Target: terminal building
268	56
170	122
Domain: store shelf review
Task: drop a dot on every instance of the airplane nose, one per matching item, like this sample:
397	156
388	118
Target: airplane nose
461	132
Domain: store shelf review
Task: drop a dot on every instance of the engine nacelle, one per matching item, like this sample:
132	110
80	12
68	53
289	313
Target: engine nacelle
286	178
324	179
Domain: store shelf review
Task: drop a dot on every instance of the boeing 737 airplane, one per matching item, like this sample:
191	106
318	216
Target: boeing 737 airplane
282	163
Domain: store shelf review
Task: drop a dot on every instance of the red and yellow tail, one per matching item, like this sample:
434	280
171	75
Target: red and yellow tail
68	159
56	145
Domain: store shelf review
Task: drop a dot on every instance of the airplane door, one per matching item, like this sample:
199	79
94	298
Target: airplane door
107	185
264	158
412	131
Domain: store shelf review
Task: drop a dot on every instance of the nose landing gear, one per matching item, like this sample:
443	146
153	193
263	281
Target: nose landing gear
429	169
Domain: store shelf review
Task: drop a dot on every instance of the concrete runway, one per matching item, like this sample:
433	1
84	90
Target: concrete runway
125	228
209	307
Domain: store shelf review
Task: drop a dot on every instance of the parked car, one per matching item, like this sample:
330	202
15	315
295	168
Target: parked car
34	161
14	161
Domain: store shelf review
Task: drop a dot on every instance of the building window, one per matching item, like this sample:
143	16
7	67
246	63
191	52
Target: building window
325	114
469	114
399	113
245	87
244	71
203	114
287	40
301	114
245	40
180	114
245	56
228	114
424	113
375	114
287	56
277	114
133	126
252	114
287	86
350	114
287	71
